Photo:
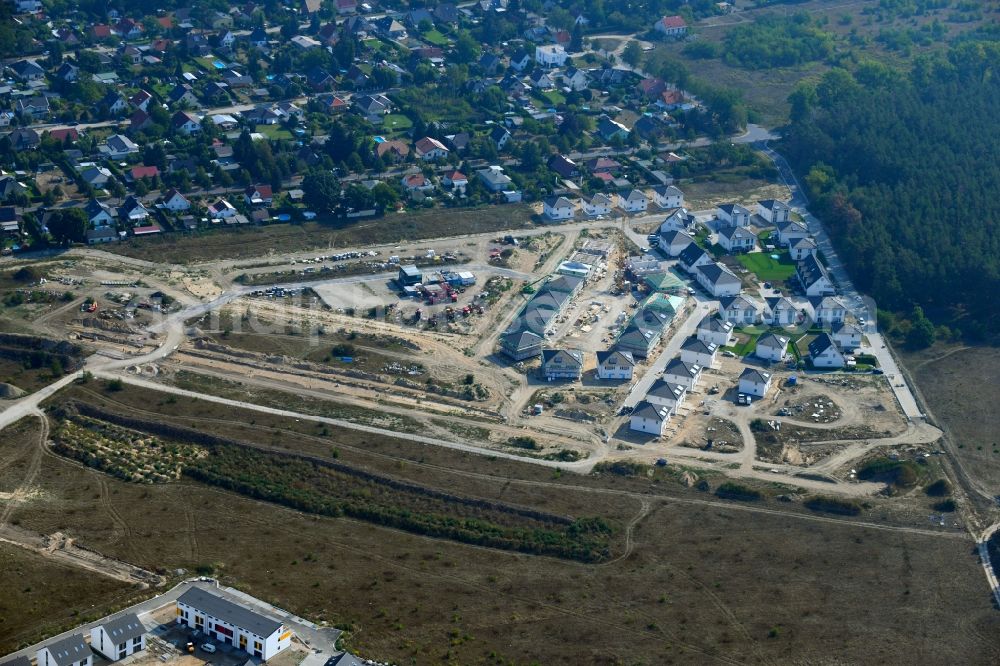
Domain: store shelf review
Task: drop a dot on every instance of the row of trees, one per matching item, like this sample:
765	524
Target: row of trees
902	167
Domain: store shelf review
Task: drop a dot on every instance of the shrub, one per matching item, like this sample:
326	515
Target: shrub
944	506
940	488
621	468
832	505
523	442
735	491
893	472
114	385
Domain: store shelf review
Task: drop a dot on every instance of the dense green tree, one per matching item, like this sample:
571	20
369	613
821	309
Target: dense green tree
321	191
68	225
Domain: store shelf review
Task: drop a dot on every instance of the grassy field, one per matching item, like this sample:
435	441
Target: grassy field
274	132
434	38
41	597
960	387
257	241
766	91
702	581
766	268
397	122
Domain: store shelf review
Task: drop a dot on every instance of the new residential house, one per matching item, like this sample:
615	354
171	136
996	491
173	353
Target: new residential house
790	231
773	211
558	208
801	248
685	374
734	215
615	365
524	338
649	418
673	242
813	277
562	364
716	331
671	26
70	651
771	347
718	280
232	624
598	204
698	352
740	310
737	239
668	196
550	55
755	382
847	336
634	201
119	637
824	352
666	394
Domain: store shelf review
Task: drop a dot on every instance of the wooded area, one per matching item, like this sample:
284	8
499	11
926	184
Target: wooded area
903	169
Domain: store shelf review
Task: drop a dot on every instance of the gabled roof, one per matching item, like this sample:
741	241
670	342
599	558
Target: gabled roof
673	22
675	236
691	254
713	323
428	144
661	388
822	343
647	410
668	191
563	356
843	328
736	233
616	357
756	376
772	341
733	208
792	227
124	628
69	650
741	301
773	204
718	274
810	270
635	195
557	202
699	347
680	368
521	338
227	611
804	243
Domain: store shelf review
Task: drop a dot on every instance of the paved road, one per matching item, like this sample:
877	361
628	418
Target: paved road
670	350
860	306
322	640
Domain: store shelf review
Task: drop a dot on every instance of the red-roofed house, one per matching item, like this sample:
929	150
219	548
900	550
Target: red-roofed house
139	120
347	6
671	26
101	31
221	209
146	231
64	133
652	87
430	149
139	172
417	182
140	100
166	22
258	195
175	201
456	179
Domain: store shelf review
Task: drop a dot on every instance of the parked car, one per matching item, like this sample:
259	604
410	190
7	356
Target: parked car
208	647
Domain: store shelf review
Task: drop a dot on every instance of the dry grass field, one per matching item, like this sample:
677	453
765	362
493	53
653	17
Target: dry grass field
960	388
691	580
242	243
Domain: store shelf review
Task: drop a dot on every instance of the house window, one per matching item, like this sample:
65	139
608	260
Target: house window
257	645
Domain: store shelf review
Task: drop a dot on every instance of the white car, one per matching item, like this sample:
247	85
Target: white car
208	647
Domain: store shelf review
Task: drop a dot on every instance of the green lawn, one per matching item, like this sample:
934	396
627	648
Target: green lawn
554	97
766	268
274	132
373	43
746	344
434	37
397	122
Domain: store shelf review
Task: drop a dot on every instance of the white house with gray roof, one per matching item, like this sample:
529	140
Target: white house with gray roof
847	336
824	352
119	637
633	201
733	215
699	352
615	365
674	242
69	651
773	211
755	382
718	280
741	310
685	374
668	196
667	394
736	239
649	418
230	623
712	329
771	347
558	208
